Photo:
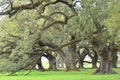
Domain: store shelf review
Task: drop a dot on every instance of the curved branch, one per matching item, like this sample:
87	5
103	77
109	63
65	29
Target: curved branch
48	18
32	5
14	10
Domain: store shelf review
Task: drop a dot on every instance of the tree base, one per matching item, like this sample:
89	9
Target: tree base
98	71
72	70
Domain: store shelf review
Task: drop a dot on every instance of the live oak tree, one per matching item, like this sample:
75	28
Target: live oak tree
91	20
60	26
112	24
8	44
94	15
12	9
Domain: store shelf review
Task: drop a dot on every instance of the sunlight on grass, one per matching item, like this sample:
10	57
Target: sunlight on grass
83	74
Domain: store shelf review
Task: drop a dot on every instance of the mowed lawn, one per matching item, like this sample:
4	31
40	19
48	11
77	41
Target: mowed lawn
83	74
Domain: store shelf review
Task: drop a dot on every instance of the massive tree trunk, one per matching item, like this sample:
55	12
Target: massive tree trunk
70	65
105	67
94	59
70	59
114	53
105	62
115	58
59	62
81	63
94	62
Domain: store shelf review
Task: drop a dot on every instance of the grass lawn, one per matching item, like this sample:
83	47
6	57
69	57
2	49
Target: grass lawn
83	74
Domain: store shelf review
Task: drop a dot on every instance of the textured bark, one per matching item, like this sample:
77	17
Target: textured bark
105	62
70	51
70	64
115	59
114	55
105	67
59	62
94	62
69	60
81	63
94	59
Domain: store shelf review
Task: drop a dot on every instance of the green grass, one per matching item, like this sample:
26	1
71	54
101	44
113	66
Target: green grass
83	74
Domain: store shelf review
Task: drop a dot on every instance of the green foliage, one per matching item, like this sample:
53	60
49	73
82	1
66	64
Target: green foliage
16	43
20	34
113	21
6	65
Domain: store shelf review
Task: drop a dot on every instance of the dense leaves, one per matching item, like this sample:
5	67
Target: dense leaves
40	26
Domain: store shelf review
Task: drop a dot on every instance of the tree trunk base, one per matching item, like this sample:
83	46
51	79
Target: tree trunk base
98	71
52	69
72	70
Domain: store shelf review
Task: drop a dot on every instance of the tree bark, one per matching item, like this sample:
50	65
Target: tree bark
81	63
70	60
94	59
115	58
94	62
59	62
70	64
71	56
114	55
105	62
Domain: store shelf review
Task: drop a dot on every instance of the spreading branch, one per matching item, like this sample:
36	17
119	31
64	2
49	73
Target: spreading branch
32	5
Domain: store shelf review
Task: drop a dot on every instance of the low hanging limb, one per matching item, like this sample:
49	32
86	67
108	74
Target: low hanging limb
35	62
58	49
53	47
